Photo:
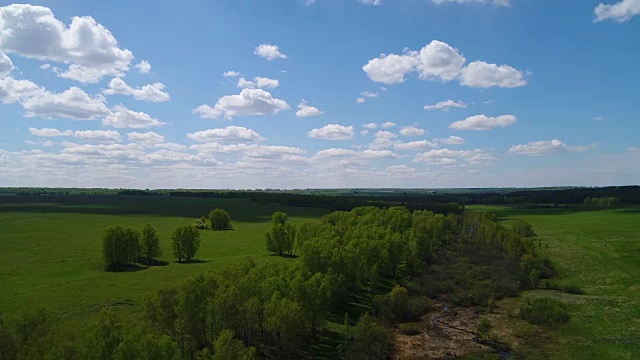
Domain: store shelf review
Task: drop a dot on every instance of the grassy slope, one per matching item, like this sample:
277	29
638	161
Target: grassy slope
599	250
50	249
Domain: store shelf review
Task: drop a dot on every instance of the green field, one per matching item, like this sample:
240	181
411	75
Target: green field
598	250
50	249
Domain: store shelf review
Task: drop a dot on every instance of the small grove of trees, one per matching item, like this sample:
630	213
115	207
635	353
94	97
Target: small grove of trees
282	235
123	247
523	228
220	219
185	242
545	311
602	201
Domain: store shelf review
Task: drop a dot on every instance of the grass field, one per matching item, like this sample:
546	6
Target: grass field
50	249
598	250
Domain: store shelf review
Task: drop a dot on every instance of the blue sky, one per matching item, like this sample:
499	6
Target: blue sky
325	93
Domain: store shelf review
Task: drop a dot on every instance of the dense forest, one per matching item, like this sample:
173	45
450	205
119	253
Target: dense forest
367	269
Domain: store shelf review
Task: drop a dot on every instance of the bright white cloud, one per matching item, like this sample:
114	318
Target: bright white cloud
121	117
269	52
228	134
332	132
48	132
380	143
153	92
620	12
505	3
399	169
305	110
385	135
439	60
446	105
166	146
98	135
258	82
387	124
12	90
416	145
73	104
480	74
544	147
144	67
151	138
483	122
447	157
370	126
6	66
250	102
412	131
88	47
371	2
230	73
451	140
390	69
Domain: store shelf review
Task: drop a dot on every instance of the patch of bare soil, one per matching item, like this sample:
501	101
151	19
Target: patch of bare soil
445	333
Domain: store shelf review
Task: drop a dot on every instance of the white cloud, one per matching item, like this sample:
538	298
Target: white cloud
385	135
48	132
390	69
369	94
152	92
598	118
633	149
381	143
371	2
305	110
121	117
446	105
88	47
620	12
400	169
143	67
378	154
12	90
258	82
364	132
370	126
230	73
412	131
98	135
150	138
73	103
439	60
6	66
544	147
480	74
451	140
447	157
360	100
416	145
269	52
332	132
387	124
483	122
249	102
167	146
228	134
505	3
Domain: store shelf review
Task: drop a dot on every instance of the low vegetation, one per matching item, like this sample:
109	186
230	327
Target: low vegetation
545	311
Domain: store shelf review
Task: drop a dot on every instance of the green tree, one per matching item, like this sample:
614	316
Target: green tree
281	237
186	241
368	341
120	247
150	243
220	219
227	347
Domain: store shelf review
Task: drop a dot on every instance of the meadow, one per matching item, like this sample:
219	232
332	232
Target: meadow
51	250
598	250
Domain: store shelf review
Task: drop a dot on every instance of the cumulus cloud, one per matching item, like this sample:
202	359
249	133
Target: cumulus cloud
598	118
305	110
332	132
228	134
381	143
390	69
446	105
538	148
483	122
258	82
269	52
620	12
249	102
6	66
412	131
73	104
439	60
447	157
505	3
230	73
88	47
98	135
121	117
12	90
144	67
451	140
385	135
400	169
48	132
151	138
480	74
416	145
364	95
371	2
153	92
387	124
370	126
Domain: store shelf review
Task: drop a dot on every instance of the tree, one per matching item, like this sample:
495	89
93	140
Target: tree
186	241
227	347
220	219
368	340
282	235
120	247
150	243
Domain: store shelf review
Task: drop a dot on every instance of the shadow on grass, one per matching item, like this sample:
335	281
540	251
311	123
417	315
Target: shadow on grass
286	256
154	262
192	261
130	268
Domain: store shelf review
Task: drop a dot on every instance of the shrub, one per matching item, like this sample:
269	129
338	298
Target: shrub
483	326
545	311
419	305
368	340
410	328
523	228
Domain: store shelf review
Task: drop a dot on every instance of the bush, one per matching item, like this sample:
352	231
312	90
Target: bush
368	341
483	326
419	305
545	311
220	219
523	228
410	328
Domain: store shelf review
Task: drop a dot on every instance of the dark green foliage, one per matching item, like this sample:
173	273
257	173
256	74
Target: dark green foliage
281	237
185	241
483	326
523	228
120	247
545	311
220	219
150	244
227	347
7	342
368	341
602	201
